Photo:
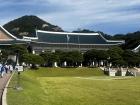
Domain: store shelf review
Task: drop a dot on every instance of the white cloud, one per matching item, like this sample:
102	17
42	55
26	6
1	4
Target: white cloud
85	12
71	14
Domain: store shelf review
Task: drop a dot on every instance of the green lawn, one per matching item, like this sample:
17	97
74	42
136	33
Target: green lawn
69	86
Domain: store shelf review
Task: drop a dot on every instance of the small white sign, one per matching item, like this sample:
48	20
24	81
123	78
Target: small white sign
19	68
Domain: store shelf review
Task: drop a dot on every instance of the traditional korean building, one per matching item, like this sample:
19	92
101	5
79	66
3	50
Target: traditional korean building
7	38
52	41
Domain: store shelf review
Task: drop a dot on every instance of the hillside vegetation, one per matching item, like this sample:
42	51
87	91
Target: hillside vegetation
26	25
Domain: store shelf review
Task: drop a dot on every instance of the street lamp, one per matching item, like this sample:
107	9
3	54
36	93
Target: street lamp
18	69
94	62
108	59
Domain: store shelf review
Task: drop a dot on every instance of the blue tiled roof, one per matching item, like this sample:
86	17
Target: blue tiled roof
71	38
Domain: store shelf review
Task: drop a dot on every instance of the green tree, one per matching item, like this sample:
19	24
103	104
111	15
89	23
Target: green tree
115	54
33	59
131	58
4	55
18	50
95	55
50	58
73	58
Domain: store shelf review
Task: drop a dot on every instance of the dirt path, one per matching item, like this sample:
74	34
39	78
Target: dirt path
3	82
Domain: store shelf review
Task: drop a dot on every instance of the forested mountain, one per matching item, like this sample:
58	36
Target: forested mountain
26	25
90	31
132	40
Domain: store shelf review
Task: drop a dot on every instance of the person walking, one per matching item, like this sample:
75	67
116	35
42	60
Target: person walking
6	68
11	68
2	71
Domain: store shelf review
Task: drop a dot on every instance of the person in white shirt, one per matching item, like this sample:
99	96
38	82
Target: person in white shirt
11	68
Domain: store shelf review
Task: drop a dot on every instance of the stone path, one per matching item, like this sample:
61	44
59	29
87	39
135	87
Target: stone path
3	82
105	78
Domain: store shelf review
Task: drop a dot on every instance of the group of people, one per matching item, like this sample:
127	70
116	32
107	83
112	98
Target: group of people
5	69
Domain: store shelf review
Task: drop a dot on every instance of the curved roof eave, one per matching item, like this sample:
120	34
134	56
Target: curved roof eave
14	37
66	33
136	48
117	41
8	32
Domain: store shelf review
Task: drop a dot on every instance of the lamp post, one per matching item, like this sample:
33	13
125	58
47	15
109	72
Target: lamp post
108	59
18	69
90	63
95	63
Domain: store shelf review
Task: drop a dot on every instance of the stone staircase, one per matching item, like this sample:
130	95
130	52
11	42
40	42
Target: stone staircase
122	71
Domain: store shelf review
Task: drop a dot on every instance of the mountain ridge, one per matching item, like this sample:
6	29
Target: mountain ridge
26	26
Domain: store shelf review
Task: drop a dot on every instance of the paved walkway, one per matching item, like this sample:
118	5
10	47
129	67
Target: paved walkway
3	82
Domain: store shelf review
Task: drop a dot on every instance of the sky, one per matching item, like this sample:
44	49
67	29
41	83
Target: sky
109	16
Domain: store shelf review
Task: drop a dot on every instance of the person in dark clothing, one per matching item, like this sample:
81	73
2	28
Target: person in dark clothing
2	71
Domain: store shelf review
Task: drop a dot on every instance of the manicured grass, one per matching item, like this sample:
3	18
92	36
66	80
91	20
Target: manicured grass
81	86
64	72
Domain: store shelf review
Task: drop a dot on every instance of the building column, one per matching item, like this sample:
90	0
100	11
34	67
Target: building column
81	65
33	51
65	64
102	63
110	64
55	64
123	72
97	64
93	63
43	51
53	51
